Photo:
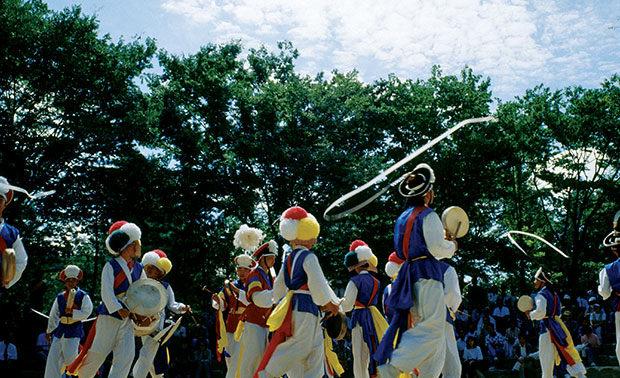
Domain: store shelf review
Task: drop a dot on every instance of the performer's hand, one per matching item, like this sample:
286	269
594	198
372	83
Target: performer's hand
69	311
48	338
330	307
187	309
123	313
527	313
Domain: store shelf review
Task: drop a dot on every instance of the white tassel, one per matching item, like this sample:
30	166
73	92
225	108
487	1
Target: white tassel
248	238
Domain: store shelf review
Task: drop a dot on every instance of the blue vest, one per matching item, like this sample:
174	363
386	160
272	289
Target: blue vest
301	302
554	307
365	284
613	272
70	330
121	288
9	235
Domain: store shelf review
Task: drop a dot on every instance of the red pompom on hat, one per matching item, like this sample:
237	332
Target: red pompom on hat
160	253
297	224
357	243
395	259
295	212
116	225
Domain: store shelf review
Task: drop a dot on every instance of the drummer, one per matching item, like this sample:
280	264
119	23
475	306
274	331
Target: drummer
113	330
9	238
609	277
232	300
156	265
298	351
64	326
554	335
361	296
419	240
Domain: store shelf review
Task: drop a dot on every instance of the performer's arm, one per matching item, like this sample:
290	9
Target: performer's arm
350	295
452	291
220	304
279	287
21	260
259	296
242	297
85	310
54	317
540	310
604	289
107	289
317	284
173	305
434	237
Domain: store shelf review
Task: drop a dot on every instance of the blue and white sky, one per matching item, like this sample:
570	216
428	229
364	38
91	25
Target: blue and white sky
517	43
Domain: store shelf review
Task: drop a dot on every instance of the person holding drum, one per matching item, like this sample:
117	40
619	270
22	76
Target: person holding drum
113	329
156	266
361	296
12	252
420	240
64	326
259	289
554	340
232	298
609	277
297	347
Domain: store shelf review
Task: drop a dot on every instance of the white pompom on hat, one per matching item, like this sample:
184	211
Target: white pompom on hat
71	271
393	265
121	234
248	238
245	261
158	259
297	224
359	254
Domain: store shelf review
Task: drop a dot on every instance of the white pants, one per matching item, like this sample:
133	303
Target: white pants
62	352
452	364
546	353
233	349
254	340
303	354
423	345
361	354
113	335
618	335
144	364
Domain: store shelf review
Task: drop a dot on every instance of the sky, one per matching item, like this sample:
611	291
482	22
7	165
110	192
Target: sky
518	44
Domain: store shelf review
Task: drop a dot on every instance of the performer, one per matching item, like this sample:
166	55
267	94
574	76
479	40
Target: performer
156	266
297	347
113	330
9	237
609	278
64	326
259	289
419	240
391	269
361	295
452	292
232	299
555	339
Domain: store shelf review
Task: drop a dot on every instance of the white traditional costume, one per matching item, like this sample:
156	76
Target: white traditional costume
10	239
66	329
419	240
452	292
112	333
150	347
609	278
297	347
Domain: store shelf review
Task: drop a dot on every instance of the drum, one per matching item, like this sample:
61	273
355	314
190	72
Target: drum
455	221
9	266
336	326
146	298
145	325
525	303
71	298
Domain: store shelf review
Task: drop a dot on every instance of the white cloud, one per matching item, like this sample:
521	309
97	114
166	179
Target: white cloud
515	42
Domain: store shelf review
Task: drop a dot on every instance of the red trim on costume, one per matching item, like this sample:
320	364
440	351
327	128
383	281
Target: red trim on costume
65	295
375	288
74	367
119	279
3	244
279	336
408	228
567	357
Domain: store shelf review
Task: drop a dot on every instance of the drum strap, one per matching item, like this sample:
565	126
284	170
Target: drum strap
409	227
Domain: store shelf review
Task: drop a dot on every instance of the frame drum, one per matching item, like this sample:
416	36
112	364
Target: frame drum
455	221
525	303
336	326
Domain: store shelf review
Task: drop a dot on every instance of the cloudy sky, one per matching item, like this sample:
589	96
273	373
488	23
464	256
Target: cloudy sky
517	43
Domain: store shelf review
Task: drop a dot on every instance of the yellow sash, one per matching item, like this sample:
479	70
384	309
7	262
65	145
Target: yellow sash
239	330
279	313
570	348
380	324
222	341
332	357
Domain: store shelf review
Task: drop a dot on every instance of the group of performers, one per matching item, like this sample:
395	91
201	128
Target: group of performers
272	325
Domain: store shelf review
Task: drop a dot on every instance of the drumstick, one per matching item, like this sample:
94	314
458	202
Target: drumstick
458	226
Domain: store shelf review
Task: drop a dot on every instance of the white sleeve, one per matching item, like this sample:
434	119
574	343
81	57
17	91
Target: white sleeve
452	291
85	309
604	289
54	317
350	295
263	298
279	287
21	260
173	305
540	309
243	298
317	284
107	289
436	243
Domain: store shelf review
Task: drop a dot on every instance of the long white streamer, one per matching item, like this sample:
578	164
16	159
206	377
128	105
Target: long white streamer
391	169
509	235
5	188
